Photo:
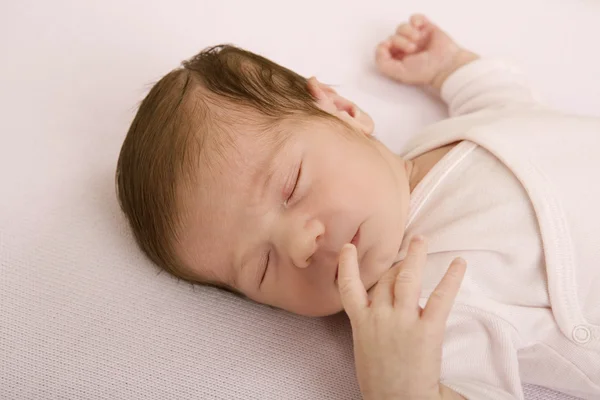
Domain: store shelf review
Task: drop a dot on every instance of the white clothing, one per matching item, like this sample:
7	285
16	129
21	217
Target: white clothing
517	199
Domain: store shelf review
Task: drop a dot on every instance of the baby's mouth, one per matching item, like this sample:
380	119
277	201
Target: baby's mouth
356	237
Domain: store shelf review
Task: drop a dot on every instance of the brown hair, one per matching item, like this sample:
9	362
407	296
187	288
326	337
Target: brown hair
161	150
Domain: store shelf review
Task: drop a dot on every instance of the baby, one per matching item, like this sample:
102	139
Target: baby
239	173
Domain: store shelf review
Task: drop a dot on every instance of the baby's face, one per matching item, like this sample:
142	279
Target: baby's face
273	219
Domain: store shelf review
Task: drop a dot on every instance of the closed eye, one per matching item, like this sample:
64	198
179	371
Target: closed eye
295	184
266	267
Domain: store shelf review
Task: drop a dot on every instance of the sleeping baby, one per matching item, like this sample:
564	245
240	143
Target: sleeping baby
241	174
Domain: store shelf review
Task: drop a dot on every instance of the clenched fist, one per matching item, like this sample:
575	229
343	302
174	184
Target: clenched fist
420	53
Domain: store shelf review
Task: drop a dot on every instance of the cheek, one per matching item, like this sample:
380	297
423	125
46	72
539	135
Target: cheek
372	179
351	176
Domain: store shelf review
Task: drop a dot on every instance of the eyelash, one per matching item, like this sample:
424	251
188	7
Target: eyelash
266	267
268	257
295	184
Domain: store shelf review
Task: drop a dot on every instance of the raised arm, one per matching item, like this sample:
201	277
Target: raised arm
420	53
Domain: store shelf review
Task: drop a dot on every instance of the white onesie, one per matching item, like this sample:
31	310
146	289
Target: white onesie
503	329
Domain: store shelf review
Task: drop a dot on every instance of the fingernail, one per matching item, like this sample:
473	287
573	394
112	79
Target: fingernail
347	247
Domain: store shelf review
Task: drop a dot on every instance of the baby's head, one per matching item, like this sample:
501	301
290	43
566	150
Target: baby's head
239	173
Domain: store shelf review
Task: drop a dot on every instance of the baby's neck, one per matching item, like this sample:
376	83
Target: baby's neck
419	166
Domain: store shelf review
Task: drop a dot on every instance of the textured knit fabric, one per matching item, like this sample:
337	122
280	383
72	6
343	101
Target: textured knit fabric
525	219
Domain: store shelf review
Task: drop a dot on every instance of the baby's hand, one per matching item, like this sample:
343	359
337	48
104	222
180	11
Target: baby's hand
420	53
397	344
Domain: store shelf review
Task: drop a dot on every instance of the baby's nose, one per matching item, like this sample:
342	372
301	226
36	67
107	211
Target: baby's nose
305	243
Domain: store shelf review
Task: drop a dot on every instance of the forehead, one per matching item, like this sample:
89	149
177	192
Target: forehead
227	181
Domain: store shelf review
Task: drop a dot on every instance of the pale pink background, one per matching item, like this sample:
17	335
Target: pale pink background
82	313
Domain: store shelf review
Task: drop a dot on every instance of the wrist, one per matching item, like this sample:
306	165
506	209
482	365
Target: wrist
461	58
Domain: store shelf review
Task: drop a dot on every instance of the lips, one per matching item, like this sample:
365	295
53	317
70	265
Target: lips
356	237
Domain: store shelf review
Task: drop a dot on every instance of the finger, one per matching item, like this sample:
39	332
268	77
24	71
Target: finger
407	288
387	64
442	298
352	291
408	31
383	293
402	43
423	25
383	52
419	21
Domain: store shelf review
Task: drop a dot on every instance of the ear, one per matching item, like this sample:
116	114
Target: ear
328	100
